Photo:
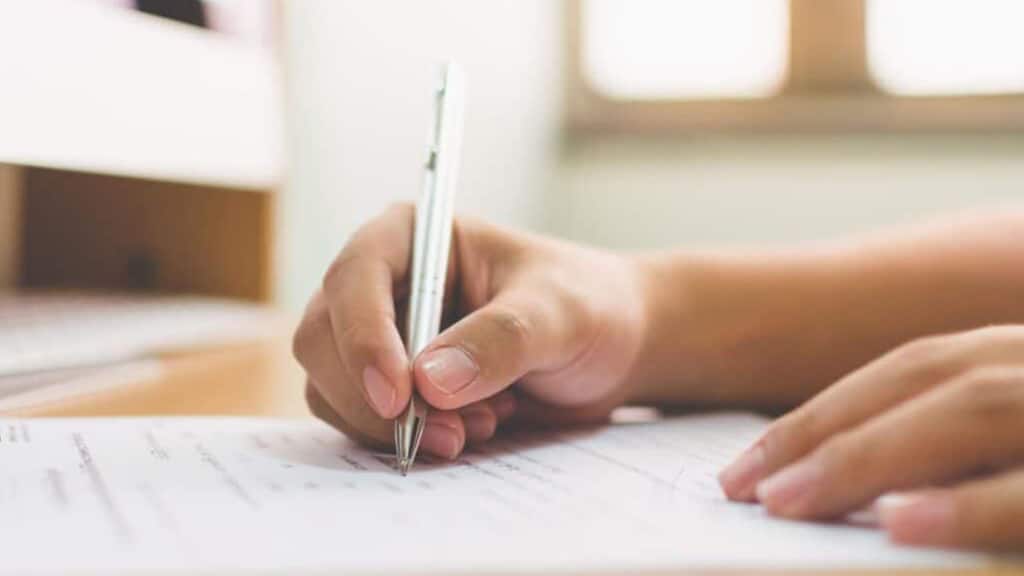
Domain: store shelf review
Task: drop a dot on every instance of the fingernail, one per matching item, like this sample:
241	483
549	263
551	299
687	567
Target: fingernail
789	491
380	392
919	520
480	423
441	440
449	369
739	478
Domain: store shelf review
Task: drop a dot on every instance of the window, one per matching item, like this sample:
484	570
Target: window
662	65
961	47
688	49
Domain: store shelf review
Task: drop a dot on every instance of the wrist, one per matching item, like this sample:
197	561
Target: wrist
672	359
762	330
721	331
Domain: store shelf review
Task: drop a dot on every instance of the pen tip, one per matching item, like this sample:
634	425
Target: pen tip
403	466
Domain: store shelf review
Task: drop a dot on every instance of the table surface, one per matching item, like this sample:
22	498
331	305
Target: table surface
254	379
259	380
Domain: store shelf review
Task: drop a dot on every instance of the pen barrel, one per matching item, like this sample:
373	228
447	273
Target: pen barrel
434	216
430	267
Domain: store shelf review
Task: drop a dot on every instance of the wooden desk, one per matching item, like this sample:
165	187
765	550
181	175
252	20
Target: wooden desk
256	380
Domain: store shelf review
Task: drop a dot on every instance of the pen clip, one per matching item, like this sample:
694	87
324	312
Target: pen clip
434	146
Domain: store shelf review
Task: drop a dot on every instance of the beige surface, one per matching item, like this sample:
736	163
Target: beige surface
255	380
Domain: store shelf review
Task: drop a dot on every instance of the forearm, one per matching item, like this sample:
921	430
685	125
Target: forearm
771	329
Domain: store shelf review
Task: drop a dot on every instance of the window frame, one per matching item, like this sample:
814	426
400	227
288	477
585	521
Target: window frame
828	88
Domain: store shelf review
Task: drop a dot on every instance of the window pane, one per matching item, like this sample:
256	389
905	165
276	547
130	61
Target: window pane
921	47
670	49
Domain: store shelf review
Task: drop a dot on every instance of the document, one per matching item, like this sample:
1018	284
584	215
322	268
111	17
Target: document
244	495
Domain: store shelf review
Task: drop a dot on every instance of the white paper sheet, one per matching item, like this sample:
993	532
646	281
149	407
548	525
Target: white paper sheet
195	495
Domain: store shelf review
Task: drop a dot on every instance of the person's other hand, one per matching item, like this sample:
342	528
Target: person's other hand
941	419
537	328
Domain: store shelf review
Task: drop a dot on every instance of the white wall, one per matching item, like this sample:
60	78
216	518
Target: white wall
358	79
634	193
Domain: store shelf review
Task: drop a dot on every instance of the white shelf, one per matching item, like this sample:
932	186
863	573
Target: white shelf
90	88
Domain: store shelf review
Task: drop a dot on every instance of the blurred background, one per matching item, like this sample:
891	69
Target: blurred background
230	147
654	123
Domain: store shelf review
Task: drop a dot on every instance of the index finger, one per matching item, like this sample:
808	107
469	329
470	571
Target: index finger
969	424
863	394
360	292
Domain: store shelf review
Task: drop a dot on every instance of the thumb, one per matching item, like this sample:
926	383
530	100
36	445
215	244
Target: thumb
493	347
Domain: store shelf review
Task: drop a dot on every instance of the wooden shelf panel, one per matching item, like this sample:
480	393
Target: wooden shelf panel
95	89
100	232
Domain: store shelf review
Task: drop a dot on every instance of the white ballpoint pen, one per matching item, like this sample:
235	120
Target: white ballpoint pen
431	245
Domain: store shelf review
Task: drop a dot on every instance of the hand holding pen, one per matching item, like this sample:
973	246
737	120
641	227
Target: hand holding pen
536	331
562	323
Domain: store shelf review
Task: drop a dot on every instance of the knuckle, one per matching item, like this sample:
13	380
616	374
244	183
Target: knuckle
397	217
368	246
996	332
932	359
338	271
355	337
476	229
581	313
992	394
486	241
844	457
400	209
928	350
792	435
511	327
